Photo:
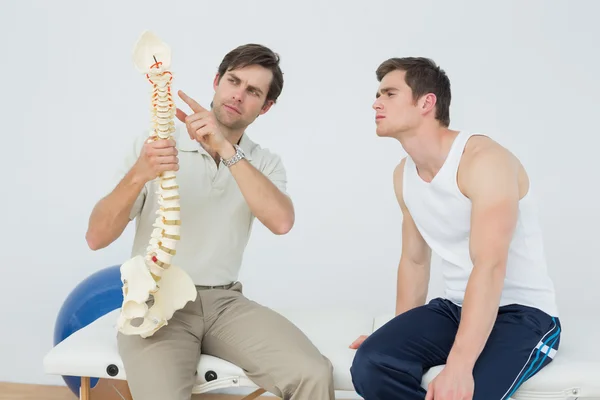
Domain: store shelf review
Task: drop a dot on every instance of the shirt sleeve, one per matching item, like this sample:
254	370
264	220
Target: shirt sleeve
276	173
131	156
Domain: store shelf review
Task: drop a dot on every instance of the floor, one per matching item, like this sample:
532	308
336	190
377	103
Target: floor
19	391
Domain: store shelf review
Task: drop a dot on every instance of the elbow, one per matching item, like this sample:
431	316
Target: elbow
493	272
282	230
93	241
492	262
497	267
284	226
499	272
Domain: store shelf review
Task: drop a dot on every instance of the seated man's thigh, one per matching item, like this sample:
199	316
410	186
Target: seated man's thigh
522	342
390	363
162	366
273	351
423	335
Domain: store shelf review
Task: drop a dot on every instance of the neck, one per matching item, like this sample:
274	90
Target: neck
233	136
428	146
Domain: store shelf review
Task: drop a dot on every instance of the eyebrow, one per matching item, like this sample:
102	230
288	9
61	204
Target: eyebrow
251	87
384	91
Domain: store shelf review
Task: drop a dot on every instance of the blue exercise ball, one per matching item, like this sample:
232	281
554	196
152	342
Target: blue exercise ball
97	295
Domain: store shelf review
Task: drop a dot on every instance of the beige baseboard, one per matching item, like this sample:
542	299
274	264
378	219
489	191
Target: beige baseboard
22	391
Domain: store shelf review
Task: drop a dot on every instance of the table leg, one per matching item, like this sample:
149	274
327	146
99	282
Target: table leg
84	391
254	394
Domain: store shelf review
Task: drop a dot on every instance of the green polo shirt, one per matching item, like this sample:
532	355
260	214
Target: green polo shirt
215	219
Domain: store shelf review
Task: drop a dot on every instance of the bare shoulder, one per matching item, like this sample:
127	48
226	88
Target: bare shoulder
479	145
485	160
398	181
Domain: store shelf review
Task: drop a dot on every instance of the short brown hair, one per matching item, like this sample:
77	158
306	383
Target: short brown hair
422	76
255	54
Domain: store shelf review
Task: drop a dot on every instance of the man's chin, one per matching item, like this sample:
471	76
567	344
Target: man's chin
234	123
382	132
227	119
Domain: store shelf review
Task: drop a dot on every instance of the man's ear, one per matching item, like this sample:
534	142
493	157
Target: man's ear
266	107
427	103
216	81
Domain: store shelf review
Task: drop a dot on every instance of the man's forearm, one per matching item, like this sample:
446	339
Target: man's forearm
272	207
110	216
479	312
412	286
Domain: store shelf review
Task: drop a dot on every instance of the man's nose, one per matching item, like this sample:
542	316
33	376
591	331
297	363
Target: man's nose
238	95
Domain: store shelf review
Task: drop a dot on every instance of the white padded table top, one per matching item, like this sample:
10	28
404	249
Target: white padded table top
92	351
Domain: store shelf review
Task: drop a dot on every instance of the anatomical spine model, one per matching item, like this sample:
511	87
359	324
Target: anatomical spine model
152	278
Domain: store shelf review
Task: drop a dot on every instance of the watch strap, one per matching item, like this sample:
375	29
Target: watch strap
239	155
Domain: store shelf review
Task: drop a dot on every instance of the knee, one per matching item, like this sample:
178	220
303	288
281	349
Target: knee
365	366
317	371
311	373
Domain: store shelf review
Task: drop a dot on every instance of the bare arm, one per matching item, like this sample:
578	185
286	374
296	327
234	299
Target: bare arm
110	216
490	181
270	205
112	213
415	261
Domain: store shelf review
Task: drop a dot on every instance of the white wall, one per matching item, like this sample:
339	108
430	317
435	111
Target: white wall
524	72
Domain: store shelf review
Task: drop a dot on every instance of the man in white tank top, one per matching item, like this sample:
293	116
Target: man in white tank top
469	200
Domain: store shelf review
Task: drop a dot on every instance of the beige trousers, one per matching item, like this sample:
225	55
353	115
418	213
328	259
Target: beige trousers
223	323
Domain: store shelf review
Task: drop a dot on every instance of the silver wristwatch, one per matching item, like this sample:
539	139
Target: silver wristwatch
239	154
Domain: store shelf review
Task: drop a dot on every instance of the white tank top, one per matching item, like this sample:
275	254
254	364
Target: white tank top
442	215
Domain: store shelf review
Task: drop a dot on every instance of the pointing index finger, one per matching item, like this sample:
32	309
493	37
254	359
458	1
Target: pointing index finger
191	102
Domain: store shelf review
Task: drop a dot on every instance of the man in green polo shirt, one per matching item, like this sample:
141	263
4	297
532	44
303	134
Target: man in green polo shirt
225	181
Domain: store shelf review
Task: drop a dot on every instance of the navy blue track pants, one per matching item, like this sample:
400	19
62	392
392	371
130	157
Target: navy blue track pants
390	363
